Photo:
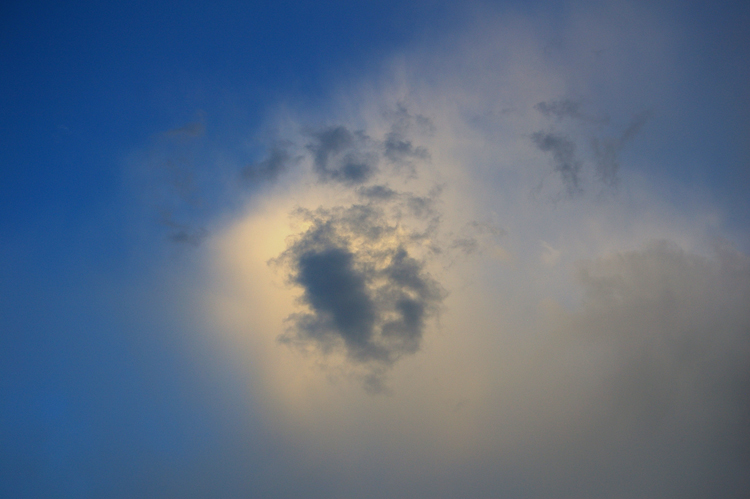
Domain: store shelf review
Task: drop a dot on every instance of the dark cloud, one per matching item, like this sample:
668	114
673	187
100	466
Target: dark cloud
278	161
363	289
337	294
399	149
420	206
607	150
563	154
341	155
567	108
559	109
377	193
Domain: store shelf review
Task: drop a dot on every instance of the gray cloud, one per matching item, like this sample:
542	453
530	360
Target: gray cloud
377	193
676	326
337	294
341	155
278	161
363	289
563	154
607	151
398	148
468	239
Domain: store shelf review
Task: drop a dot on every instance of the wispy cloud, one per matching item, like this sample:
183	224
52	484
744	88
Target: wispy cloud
607	150
563	152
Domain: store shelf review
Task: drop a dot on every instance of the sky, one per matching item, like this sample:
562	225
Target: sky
375	249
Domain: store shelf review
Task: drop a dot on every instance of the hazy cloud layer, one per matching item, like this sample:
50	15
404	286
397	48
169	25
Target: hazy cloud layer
596	347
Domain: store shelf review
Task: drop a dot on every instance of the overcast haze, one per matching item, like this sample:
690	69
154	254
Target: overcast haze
373	249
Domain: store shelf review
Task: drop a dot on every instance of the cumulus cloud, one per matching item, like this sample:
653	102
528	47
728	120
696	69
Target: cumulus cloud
363	289
278	161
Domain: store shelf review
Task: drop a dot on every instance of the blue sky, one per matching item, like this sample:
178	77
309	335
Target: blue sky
374	249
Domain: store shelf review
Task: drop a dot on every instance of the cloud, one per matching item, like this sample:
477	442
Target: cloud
363	289
377	192
341	155
606	151
564	156
671	328
397	147
596	347
176	181
278	162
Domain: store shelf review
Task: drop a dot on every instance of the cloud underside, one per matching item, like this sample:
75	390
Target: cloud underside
362	289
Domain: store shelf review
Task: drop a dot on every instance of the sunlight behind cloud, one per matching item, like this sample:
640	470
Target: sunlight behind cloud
447	274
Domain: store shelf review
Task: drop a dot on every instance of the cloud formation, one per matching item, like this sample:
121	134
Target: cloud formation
278	161
596	346
563	152
363	289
